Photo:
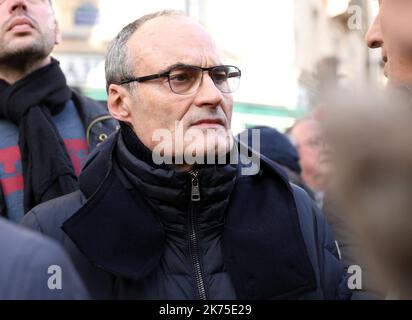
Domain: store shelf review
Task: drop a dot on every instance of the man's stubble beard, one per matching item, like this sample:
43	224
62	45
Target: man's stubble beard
24	55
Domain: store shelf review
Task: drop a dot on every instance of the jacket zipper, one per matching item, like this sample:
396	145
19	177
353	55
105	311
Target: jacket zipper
193	236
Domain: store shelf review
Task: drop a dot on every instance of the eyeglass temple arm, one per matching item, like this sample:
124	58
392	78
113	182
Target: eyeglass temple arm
235	74
146	78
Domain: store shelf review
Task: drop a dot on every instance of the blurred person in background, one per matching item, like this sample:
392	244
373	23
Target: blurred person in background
391	33
278	148
35	268
306	135
46	129
372	185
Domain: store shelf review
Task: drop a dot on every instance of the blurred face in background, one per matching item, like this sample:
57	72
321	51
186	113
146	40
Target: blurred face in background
372	184
28	30
309	141
392	32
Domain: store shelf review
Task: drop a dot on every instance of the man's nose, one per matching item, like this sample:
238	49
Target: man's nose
15	5
374	37
208	94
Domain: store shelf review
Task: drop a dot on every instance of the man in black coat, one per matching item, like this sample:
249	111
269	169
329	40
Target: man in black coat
169	208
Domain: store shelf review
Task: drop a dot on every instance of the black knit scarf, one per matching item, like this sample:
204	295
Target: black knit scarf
31	103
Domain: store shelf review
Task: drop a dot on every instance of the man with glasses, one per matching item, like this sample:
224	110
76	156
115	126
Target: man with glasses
141	228
306	135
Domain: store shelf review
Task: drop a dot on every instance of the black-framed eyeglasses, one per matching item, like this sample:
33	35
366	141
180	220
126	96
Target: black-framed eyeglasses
186	79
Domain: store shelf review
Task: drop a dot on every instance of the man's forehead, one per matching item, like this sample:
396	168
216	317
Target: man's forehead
189	43
171	30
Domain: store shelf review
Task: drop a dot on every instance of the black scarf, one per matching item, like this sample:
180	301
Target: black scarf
31	103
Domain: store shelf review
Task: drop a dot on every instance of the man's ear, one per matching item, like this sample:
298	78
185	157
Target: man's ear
119	103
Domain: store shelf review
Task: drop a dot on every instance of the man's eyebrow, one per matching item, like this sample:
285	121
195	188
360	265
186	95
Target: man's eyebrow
178	64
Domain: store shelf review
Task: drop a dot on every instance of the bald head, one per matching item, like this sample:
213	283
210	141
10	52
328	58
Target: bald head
155	49
163	31
170	28
308	139
304	129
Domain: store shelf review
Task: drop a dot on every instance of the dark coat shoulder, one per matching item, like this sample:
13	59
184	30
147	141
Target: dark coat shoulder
28	266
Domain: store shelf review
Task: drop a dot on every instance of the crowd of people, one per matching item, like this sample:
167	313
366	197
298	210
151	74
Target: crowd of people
88	211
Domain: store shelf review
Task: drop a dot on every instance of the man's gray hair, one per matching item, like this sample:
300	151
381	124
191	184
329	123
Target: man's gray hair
118	63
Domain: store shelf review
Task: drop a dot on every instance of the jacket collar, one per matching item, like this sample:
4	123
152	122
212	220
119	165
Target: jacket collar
168	192
264	250
100	163
263	245
88	109
116	214
95	118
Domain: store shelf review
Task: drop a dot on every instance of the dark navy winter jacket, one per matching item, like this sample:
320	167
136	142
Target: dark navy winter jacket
249	237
